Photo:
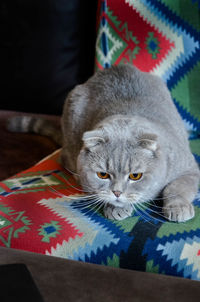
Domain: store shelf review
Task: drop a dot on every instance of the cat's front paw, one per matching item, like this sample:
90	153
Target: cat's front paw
178	210
117	213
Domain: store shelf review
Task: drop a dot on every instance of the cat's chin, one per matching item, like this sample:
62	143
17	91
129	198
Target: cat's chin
116	203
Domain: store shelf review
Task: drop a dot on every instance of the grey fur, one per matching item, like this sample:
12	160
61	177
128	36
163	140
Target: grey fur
38	125
123	121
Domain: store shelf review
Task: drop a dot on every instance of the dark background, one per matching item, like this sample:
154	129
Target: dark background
46	48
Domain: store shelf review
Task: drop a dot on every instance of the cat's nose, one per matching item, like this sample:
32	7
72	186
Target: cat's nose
117	193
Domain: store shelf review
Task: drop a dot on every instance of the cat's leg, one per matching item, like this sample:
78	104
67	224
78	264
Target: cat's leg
178	196
117	213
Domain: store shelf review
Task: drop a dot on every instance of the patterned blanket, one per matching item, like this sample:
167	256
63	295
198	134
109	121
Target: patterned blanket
43	210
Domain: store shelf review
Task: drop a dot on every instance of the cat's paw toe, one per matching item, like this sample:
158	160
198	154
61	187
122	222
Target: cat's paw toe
178	212
117	213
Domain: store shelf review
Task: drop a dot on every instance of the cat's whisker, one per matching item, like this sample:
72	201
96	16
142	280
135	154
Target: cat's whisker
86	200
71	197
86	189
73	173
159	207
72	186
80	204
163	197
141	215
160	199
78	189
167	197
86	205
152	204
148	214
151	217
90	201
56	191
98	204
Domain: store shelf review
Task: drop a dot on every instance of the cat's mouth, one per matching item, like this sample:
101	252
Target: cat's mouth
112	200
117	203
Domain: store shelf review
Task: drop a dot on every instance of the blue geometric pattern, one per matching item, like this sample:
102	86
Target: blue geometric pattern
143	238
187	60
145	241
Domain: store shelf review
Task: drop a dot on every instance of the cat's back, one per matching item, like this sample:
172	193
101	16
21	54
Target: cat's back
117	83
126	90
126	83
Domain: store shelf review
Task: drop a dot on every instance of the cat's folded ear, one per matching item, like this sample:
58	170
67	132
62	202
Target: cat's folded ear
93	138
148	141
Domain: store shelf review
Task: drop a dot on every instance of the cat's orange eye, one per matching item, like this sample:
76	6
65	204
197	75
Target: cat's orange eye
103	175
135	176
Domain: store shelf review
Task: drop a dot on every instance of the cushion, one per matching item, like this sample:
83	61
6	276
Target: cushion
42	210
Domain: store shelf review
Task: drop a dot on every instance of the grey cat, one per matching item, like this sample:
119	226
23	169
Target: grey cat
126	142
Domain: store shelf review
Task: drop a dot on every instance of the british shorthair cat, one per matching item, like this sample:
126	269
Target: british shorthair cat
126	142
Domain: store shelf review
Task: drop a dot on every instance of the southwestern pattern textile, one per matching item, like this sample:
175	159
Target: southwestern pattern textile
160	37
42	209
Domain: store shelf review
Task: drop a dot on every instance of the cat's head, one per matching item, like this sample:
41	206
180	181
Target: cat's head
119	166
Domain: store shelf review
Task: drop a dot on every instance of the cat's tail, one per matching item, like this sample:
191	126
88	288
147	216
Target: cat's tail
38	125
